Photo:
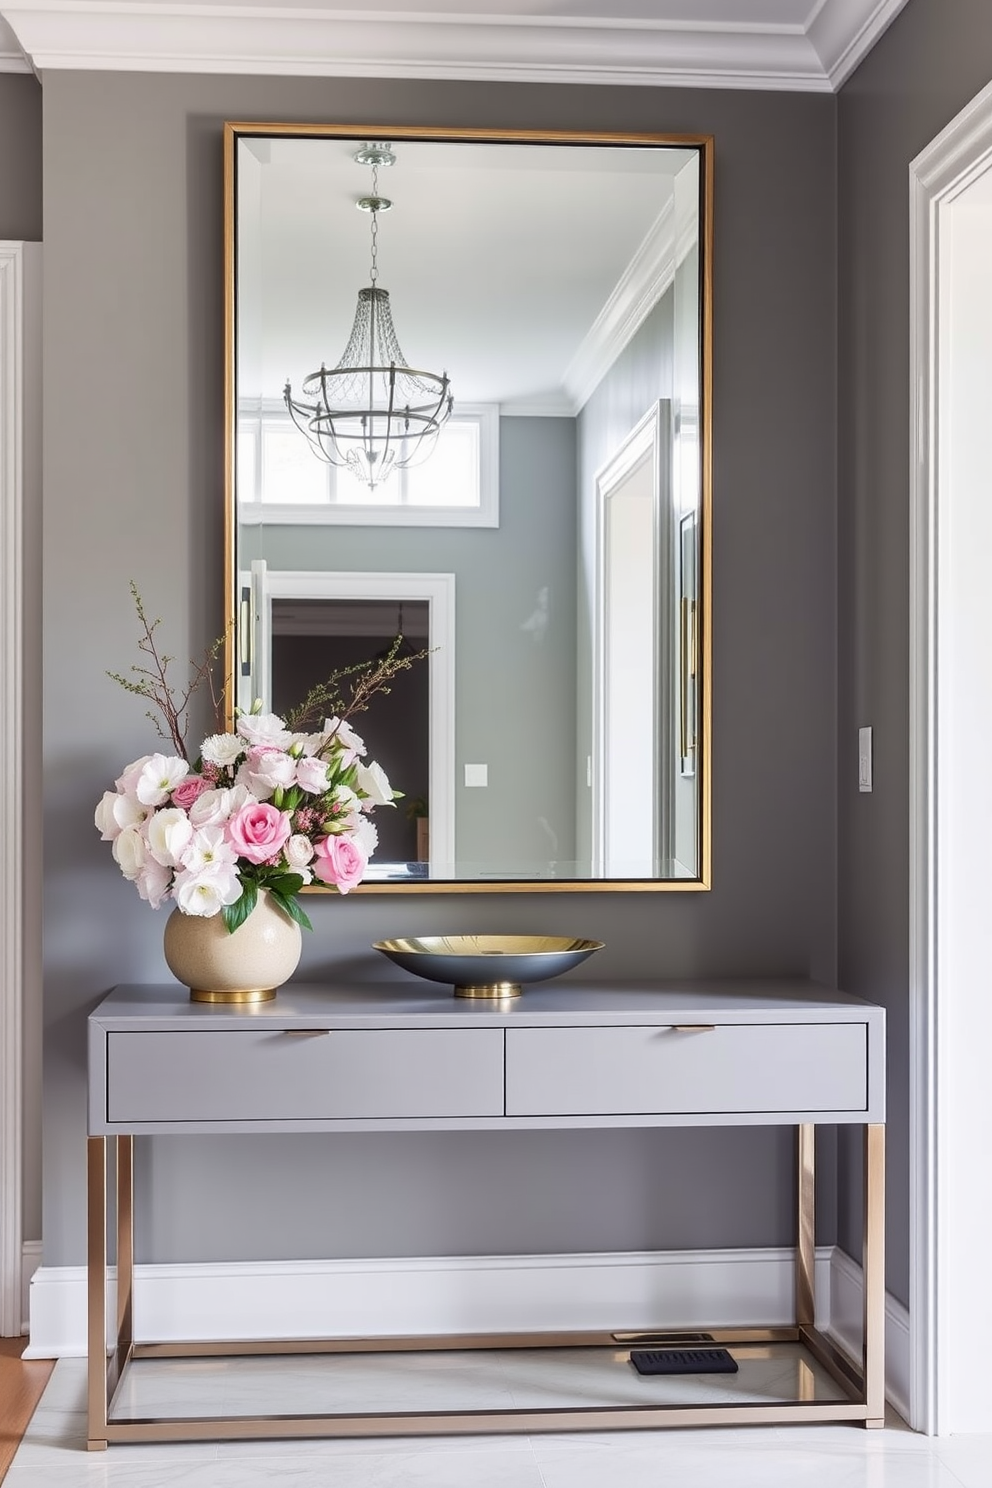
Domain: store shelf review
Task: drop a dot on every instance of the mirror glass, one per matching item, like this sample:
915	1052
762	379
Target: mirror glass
521	489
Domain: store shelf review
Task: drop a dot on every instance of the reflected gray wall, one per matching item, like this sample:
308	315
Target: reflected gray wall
514	660
933	59
133	472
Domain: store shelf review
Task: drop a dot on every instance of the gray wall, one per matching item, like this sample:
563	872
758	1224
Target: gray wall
934	58
133	346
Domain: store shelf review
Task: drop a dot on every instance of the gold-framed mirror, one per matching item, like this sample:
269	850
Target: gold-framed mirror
533	508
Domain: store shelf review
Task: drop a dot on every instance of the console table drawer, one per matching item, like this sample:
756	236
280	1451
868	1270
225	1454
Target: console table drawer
733	1068
272	1075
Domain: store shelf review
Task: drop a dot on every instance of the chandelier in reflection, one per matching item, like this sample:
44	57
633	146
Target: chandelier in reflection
372	413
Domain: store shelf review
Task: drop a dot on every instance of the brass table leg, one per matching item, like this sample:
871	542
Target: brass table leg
806	1226
96	1293
873	1262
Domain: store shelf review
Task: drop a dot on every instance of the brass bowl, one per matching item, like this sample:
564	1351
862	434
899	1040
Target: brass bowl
492	966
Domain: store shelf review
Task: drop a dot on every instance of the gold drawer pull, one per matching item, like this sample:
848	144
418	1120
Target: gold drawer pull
306	1032
694	1028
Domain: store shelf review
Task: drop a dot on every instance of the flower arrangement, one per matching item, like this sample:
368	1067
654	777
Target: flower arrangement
270	805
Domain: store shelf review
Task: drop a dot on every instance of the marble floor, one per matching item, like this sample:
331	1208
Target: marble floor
53	1454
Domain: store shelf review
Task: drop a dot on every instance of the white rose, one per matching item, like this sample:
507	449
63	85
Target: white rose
372	781
153	883
311	774
215	806
168	834
267	770
205	894
159	778
222	749
298	851
264	728
130	852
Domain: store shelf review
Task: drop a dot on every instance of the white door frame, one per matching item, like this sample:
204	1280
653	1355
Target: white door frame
438	590
649	441
938	176
12	270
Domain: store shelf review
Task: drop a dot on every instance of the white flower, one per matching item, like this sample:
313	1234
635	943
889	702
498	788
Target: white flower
298	851
264	728
130	852
222	749
168	835
209	849
372	781
344	735
205	894
159	778
311	774
153	883
345	799
115	812
127	781
365	832
215	806
267	770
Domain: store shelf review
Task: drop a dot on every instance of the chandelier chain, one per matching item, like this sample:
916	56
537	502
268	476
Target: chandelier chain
374	273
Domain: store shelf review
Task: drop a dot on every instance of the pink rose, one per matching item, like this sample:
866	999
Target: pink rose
340	861
188	791
258	831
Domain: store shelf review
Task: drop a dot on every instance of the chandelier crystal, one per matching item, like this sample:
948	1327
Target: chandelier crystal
372	413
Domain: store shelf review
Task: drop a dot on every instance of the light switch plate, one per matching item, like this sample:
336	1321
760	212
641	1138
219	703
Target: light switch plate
476	774
864	759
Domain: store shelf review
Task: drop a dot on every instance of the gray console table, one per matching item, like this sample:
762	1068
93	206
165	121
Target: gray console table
390	1057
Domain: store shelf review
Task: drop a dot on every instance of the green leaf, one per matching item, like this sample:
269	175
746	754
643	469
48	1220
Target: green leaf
284	883
235	914
290	906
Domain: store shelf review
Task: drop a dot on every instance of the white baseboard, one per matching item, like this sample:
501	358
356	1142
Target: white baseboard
470	1294
474	1294
30	1261
846	1292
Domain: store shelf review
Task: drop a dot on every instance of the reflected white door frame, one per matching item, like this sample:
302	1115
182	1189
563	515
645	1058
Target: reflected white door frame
950	724
438	590
631	810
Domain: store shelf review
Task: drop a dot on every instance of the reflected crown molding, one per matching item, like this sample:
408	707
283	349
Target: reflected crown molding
747	45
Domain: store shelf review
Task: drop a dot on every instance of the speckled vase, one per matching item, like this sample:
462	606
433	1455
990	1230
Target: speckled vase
249	965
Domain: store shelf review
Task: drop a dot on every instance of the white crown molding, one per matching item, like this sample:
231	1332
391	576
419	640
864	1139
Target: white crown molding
642	285
843	32
127	35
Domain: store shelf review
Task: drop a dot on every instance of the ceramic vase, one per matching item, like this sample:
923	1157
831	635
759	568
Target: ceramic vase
244	967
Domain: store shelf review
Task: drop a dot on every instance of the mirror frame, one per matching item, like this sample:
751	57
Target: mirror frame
233	131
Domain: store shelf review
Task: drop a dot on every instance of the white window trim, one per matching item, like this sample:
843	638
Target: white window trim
335	514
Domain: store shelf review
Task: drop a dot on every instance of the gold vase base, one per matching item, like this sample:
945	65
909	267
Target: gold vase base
494	991
237	995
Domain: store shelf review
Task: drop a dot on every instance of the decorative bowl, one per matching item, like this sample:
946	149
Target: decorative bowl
493	966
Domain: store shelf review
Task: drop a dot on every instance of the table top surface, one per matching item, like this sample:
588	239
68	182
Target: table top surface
430	1004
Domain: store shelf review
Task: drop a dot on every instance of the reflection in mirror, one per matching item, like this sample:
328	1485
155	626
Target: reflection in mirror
548	541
